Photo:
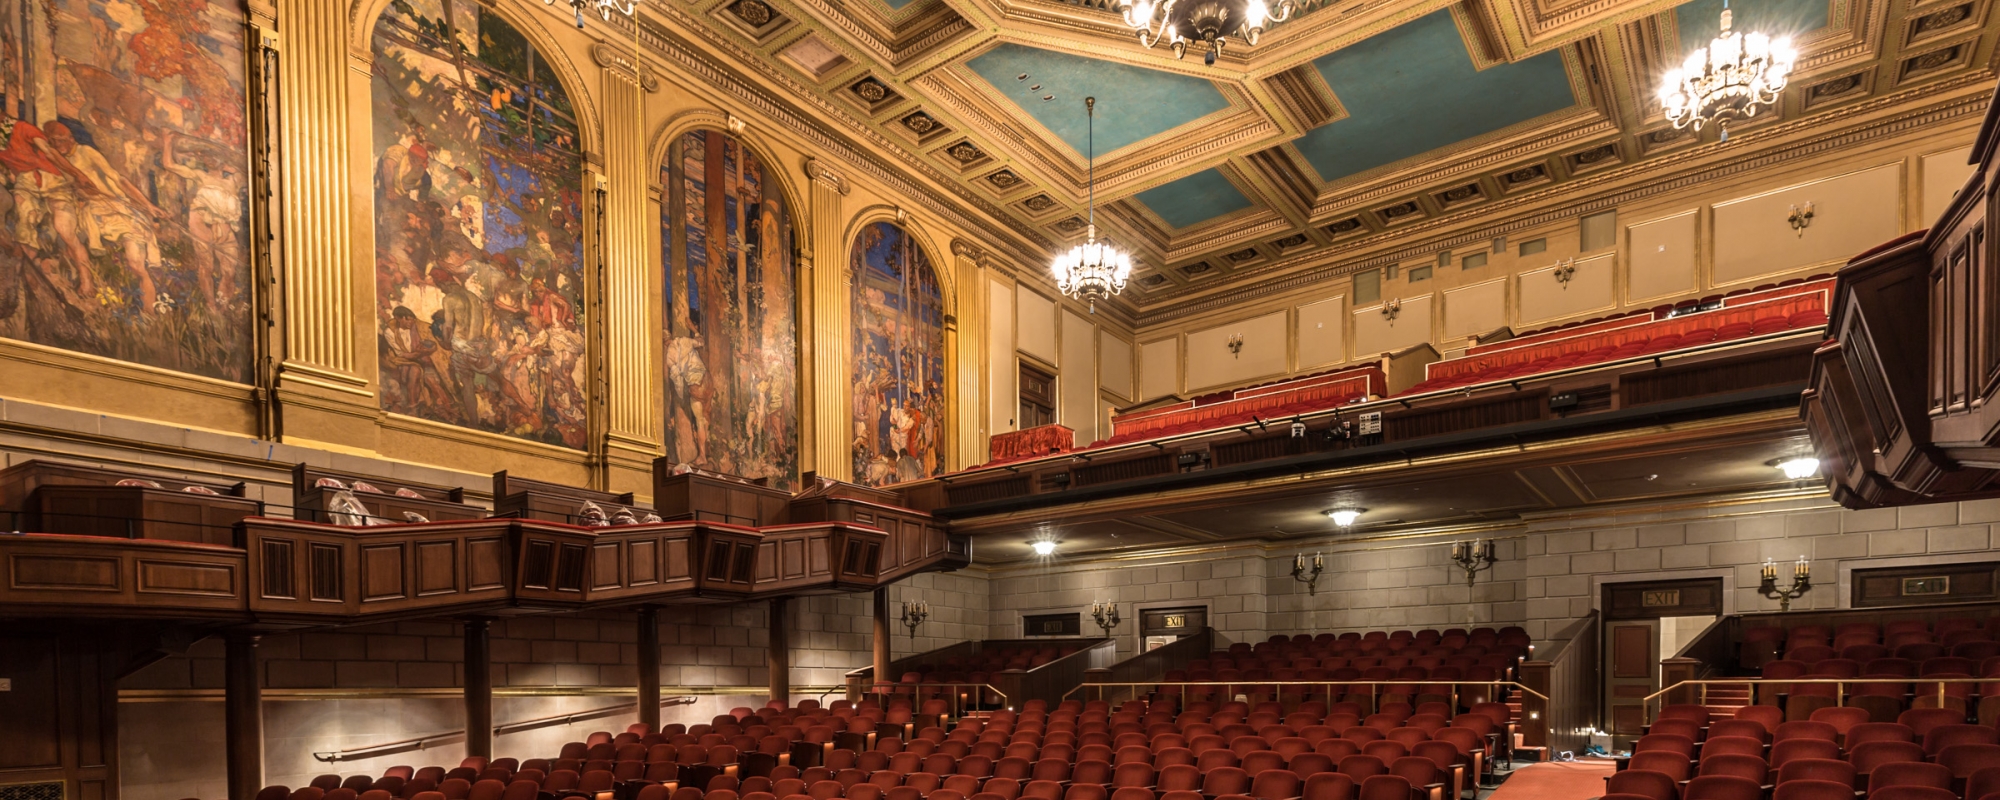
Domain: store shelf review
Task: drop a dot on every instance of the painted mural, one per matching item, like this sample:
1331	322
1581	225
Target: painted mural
898	318
731	313
478	229
123	227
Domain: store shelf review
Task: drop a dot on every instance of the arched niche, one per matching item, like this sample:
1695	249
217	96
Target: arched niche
478	177
898	356
730	295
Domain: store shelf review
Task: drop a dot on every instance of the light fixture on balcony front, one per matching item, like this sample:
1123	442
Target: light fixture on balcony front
1797	468
1345	517
1045	547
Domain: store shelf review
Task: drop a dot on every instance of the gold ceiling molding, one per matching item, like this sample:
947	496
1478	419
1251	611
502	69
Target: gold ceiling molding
1637	179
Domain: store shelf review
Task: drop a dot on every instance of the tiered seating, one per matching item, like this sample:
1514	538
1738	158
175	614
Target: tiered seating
1904	652
1793	305
1140	751
1926	754
1242	406
1452	665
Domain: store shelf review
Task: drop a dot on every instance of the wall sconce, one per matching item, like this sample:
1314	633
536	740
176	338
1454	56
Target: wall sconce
914	615
1235	345
1473	557
1801	218
1565	269
1801	582
1309	577
1106	615
1391	309
1298	429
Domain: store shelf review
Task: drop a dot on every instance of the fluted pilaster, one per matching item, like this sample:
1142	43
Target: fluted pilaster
313	198
631	405
832	341
969	434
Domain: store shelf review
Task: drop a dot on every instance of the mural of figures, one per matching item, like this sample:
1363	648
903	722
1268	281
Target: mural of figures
478	229
731	313
898	318
123	227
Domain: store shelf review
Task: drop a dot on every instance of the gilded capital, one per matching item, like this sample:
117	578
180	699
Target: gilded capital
821	173
622	64
965	249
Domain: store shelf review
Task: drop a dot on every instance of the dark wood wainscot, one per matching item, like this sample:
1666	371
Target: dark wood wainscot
917	542
54	497
1901	406
311	571
810	557
554	502
391	501
55	575
707	497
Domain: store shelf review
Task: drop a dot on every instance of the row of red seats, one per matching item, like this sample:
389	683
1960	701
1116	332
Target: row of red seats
1893	685
1494	368
1967	637
1834	756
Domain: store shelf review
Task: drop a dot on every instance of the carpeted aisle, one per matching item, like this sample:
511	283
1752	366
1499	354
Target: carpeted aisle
1567	780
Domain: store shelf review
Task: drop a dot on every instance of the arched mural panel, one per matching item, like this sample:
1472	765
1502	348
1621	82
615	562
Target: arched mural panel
123	232
478	225
898	356
731	337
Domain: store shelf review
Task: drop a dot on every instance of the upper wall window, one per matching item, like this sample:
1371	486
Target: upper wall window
898	320
478	227
731	313
126	234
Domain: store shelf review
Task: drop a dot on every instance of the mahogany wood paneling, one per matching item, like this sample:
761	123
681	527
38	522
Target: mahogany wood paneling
552	502
1927	584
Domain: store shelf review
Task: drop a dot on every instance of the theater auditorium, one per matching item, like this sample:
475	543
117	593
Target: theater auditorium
759	400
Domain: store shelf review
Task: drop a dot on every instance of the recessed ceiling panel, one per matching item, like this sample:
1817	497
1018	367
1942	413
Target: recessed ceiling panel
1700	20
1194	199
1133	103
1414	89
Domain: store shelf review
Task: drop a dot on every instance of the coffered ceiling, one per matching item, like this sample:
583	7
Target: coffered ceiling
1351	119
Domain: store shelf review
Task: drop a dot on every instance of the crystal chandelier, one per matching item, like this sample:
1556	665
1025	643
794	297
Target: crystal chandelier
1092	270
604	8
1728	79
1179	22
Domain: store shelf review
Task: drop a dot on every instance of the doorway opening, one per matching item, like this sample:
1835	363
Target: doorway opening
1645	621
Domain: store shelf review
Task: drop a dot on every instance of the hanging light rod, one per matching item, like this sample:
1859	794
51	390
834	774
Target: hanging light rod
1093	270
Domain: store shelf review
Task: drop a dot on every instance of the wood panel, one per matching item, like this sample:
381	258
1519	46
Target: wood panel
1925	584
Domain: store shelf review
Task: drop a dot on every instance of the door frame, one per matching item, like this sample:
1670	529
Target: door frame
1599	584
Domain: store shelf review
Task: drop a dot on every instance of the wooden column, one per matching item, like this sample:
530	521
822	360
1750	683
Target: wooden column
243	716
882	675
780	648
478	689
649	667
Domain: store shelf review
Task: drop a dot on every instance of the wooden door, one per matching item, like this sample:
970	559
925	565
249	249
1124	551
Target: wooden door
1631	671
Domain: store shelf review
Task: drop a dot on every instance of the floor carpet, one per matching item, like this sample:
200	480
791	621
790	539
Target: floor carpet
1570	780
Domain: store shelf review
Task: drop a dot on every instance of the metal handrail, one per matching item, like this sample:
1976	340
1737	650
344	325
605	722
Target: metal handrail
1328	685
959	700
447	737
1839	691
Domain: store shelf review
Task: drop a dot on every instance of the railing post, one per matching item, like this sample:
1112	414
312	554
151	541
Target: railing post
1679	670
478	689
1535	710
649	668
243	716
